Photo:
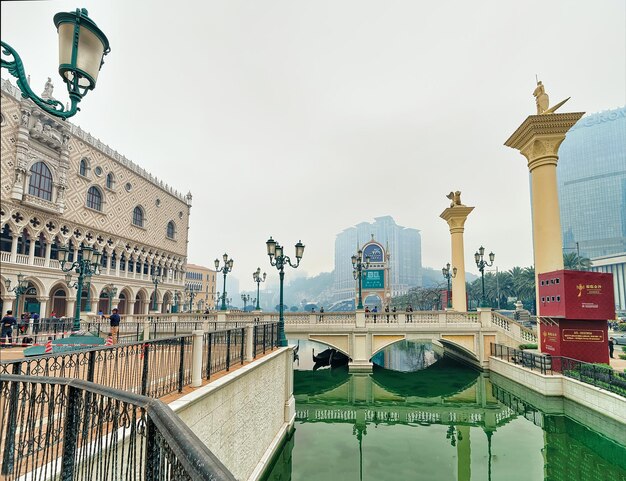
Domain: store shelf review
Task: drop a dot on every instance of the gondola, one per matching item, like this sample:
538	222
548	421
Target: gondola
329	357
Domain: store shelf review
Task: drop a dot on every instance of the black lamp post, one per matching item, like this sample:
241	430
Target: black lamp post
358	267
280	260
82	47
228	267
256	276
19	289
111	291
191	293
448	274
176	301
157	278
87	264
481	263
217	299
245	298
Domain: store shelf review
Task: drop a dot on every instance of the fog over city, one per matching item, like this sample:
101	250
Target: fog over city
300	119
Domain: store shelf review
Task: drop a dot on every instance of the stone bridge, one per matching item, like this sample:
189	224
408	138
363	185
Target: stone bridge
466	336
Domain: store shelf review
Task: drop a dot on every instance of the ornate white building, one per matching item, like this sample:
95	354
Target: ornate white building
61	186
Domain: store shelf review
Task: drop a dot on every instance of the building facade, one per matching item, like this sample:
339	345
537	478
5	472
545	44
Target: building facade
60	186
592	185
404	246
201	280
615	265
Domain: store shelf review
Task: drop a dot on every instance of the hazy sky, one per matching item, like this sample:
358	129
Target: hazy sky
298	119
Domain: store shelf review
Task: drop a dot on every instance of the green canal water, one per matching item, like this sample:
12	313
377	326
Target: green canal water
441	422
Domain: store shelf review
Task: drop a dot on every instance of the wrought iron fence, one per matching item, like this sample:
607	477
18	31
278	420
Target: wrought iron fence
58	428
152	368
221	350
265	338
597	375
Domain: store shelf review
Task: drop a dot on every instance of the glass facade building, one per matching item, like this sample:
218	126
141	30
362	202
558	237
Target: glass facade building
403	244
592	185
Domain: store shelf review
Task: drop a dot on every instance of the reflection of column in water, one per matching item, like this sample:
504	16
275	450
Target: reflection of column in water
464	455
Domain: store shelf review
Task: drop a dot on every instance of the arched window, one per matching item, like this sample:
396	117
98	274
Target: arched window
83	167
40	184
170	230
110	180
138	216
94	198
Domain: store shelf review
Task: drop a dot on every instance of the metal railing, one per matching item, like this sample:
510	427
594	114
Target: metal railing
265	338
596	375
58	428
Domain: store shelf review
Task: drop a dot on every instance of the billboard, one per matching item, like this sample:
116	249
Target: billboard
374	252
374	279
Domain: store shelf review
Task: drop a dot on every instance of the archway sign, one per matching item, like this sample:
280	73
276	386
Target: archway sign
375	279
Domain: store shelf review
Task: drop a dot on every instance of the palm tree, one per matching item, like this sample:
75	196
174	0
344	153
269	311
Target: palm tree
575	262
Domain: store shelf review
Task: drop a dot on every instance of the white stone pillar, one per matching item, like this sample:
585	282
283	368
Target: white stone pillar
249	352
196	358
117	264
108	266
14	240
146	330
290	401
43	306
70	306
31	251
8	304
48	252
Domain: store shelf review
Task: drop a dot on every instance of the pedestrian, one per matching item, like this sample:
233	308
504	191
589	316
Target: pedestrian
611	347
114	321
35	322
409	313
393	310
23	324
321	313
367	312
387	311
374	311
7	323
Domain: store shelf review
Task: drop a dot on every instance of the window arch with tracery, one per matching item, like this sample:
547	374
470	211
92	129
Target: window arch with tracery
171	230
40	184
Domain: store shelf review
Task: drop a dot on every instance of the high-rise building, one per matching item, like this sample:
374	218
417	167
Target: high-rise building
592	185
403	244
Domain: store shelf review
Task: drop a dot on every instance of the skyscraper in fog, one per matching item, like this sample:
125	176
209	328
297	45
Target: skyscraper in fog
592	184
403	244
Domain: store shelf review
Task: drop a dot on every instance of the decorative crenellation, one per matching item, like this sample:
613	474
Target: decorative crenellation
55	139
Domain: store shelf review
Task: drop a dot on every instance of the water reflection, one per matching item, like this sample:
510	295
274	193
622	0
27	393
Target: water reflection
446	422
408	356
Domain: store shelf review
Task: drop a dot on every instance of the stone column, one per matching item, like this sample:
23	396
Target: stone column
70	305
8	304
43	306
109	262
31	250
196	358
48	252
538	139
456	216
14	241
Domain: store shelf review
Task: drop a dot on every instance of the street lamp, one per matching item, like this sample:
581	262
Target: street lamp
82	47
358	267
481	263
217	299
157	278
245	298
111	291
448	274
176	301
191	292
19	289
278	259
228	267
256	276
87	265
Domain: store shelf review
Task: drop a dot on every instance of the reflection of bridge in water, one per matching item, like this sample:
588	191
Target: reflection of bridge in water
373	399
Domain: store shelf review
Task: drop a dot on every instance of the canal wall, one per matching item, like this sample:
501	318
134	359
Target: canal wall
243	416
596	399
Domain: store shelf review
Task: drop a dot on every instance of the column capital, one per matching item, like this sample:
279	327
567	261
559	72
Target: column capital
456	217
539	137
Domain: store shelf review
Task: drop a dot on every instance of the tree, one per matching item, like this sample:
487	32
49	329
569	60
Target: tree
575	262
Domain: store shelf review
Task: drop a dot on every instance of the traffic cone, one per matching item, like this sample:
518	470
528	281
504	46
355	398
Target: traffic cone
48	347
109	341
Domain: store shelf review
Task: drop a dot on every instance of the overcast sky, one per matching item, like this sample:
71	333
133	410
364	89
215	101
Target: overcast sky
298	119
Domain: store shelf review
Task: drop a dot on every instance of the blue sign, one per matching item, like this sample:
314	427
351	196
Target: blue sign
375	253
374	279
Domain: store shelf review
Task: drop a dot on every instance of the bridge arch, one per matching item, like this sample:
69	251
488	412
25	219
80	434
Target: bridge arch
340	342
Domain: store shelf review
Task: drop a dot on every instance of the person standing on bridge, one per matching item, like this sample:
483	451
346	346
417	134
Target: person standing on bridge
393	310
387	311
114	321
374	311
409	313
